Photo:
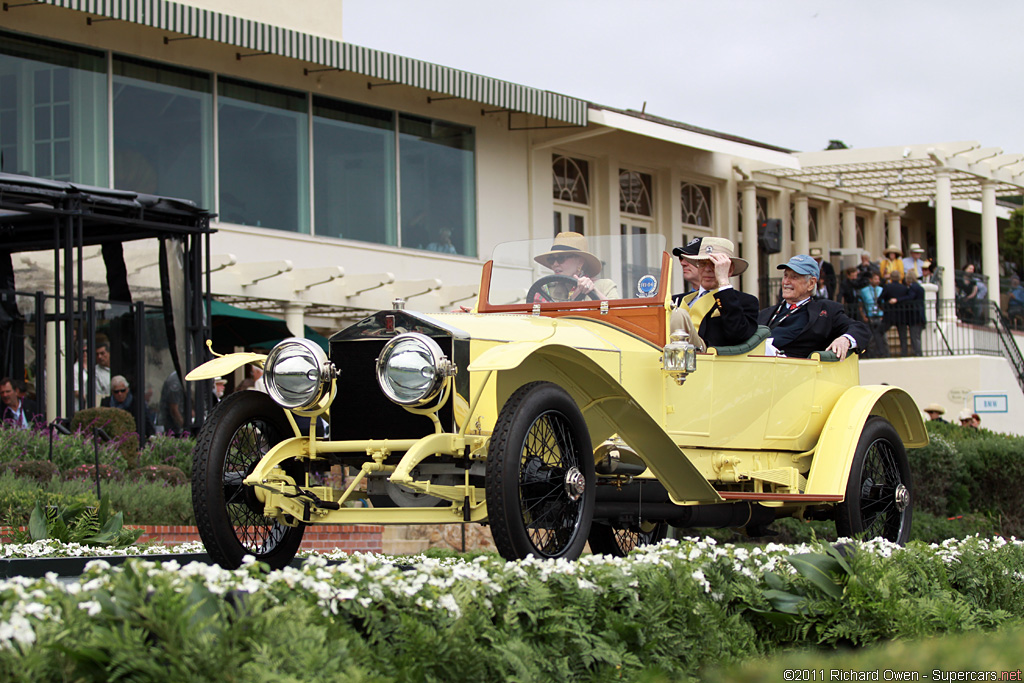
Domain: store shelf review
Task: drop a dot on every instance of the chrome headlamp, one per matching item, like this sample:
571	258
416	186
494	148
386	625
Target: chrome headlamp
412	369
297	373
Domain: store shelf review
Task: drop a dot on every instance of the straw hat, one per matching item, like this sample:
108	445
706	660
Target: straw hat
718	245
915	248
574	244
965	414
891	248
934	408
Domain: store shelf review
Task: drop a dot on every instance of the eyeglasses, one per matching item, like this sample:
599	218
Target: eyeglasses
559	258
119	391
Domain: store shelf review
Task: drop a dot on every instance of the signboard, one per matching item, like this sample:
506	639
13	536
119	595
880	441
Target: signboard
992	402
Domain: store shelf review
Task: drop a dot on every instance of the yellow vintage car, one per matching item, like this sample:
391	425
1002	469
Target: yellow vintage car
553	414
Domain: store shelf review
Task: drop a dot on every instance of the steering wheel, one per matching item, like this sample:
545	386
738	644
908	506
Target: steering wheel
539	288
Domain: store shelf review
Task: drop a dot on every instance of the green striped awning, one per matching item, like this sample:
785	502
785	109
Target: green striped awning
260	37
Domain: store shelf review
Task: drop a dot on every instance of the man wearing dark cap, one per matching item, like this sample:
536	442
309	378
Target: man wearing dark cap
691	276
802	324
722	315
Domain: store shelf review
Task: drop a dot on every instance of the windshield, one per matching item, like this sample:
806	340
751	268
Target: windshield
571	267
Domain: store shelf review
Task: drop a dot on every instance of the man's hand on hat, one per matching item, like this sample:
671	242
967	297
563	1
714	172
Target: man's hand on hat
723	264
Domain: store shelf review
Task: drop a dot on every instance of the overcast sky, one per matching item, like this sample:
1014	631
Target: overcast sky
792	73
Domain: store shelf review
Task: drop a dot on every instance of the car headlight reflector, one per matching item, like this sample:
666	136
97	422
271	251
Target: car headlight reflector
297	373
412	369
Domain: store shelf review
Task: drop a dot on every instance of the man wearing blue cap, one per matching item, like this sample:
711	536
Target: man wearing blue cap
802	324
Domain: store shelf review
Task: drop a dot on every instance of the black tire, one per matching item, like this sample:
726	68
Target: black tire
229	517
879	500
539	457
618	541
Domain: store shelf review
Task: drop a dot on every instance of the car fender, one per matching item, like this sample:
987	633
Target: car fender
833	455
607	407
224	365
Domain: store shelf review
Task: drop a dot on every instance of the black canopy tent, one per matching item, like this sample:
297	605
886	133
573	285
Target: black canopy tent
38	214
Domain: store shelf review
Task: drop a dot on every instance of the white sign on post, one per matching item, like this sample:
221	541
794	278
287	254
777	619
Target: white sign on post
992	402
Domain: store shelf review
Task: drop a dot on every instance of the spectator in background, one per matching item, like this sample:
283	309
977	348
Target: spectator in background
872	315
967	295
894	293
969	419
253	381
19	410
827	284
848	294
915	262
1015	303
691	274
172	405
121	397
865	268
893	261
916	318
935	412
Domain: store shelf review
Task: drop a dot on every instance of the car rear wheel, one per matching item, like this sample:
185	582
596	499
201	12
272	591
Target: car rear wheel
878	493
540	475
229	517
618	541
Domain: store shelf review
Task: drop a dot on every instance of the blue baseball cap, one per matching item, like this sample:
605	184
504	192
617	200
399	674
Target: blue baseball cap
802	264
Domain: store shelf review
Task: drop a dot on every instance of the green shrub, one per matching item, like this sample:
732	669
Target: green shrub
941	477
82	524
88	472
169	450
143	503
160	473
69	450
40	470
118	424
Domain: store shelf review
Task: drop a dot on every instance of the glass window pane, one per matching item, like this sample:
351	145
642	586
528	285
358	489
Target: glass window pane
438	182
264	156
46	86
163	129
354	171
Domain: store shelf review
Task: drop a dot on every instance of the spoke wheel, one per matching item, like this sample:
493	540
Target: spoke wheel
229	516
618	541
878	495
540	475
557	288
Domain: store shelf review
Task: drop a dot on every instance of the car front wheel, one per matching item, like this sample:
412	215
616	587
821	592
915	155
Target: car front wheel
618	541
878	493
540	475
229	516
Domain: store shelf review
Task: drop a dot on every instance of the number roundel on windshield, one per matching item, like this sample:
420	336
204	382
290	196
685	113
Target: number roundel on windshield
647	286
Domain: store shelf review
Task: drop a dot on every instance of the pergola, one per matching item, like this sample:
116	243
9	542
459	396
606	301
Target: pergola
938	173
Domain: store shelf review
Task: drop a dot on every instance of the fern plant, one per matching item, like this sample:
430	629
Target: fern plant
82	524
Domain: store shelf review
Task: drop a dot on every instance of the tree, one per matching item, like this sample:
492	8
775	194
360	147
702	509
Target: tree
1011	243
837	144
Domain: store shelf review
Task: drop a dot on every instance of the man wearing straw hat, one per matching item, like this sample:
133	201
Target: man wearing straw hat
721	314
935	412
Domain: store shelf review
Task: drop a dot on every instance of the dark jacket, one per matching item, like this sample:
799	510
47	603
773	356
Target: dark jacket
894	314
129	406
736	321
29	407
913	305
824	321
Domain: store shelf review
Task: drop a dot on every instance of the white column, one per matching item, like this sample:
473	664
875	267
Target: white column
294	318
944	232
895	231
990	240
801	224
750	250
874	241
849	235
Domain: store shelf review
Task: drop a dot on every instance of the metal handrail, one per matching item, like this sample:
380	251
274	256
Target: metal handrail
1010	349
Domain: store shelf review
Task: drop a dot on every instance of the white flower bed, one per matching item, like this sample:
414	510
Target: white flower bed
432	585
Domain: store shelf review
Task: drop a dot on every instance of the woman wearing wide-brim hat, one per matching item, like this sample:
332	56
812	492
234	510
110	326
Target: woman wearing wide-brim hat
570	256
893	261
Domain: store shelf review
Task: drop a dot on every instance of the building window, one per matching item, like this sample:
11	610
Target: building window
634	192
571	192
264	163
571	179
53	111
762	208
696	204
438	185
354	172
163	130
